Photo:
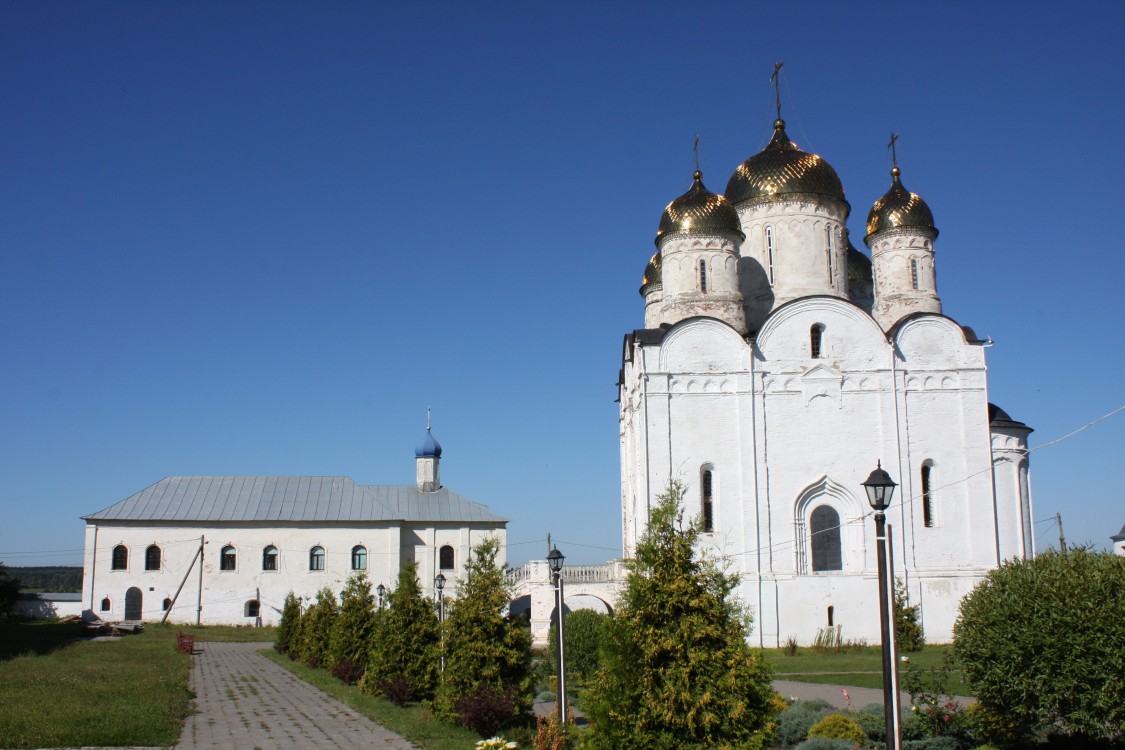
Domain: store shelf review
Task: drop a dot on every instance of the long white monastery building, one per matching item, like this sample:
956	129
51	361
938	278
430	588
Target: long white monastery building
778	364
227	550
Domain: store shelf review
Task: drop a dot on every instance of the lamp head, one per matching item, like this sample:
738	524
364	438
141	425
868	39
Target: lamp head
381	590
555	560
439	581
880	487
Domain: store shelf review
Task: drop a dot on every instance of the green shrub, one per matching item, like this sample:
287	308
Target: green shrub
794	723
837	727
908	620
583	639
316	628
352	629
1040	643
284	639
873	721
824	743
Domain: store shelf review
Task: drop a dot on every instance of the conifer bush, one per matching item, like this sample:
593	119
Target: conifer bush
838	727
486	653
908	620
677	672
284	639
316	628
403	658
352	629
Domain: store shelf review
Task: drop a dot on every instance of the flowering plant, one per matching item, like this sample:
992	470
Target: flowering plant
495	743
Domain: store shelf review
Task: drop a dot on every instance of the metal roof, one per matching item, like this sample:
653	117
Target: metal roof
290	499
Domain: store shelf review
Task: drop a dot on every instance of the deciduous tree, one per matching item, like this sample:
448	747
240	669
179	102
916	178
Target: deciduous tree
1042	645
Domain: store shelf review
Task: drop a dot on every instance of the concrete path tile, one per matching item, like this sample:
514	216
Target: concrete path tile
246	701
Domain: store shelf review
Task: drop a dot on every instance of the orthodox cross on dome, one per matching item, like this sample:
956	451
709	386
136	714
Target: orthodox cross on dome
776	79
893	150
695	148
427	418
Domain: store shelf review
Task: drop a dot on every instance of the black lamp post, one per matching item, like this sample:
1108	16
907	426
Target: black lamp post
439	584
555	561
381	590
880	487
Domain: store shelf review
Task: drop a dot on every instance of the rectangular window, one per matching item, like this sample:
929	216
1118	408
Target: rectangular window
914	274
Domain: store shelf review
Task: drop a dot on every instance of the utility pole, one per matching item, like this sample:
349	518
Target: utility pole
1062	537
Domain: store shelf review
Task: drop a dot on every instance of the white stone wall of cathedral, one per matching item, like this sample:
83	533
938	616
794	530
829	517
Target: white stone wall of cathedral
800	230
1011	477
806	431
686	292
898	256
225	593
653	297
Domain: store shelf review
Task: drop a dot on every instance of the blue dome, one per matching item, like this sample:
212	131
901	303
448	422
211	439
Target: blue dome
429	447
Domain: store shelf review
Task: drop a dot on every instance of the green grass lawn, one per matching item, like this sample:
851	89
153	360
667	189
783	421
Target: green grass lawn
56	691
412	721
859	667
66	693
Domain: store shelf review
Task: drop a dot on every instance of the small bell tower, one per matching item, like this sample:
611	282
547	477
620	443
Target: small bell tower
427	460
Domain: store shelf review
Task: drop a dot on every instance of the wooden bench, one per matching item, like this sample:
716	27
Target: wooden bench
185	643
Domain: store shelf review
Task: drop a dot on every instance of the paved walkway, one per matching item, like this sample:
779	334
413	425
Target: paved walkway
246	701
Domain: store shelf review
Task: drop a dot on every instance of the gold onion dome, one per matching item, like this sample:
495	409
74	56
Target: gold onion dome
899	209
652	272
782	169
698	211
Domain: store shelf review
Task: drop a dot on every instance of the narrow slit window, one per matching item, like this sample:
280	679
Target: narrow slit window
228	560
831	259
927	495
913	273
703	276
708	500
816	340
769	253
831	615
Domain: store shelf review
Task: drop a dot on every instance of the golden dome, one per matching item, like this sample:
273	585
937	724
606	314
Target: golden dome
781	169
698	211
652	272
899	208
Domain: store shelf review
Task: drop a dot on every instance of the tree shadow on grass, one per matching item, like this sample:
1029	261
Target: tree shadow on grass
18	637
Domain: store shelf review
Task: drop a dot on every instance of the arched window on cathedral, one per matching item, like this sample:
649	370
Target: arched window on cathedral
913	273
445	558
831	254
824	525
228	558
359	557
120	559
707	499
269	558
316	558
152	557
927	494
703	276
769	254
816	339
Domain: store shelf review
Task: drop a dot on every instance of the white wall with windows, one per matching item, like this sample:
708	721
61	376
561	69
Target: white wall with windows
248	569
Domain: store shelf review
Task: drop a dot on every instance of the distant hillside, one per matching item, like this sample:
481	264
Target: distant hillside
52	578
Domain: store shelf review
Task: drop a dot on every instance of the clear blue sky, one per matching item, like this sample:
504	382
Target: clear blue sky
261	237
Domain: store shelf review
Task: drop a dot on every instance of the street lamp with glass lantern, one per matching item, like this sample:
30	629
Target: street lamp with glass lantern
880	488
555	561
439	585
381	590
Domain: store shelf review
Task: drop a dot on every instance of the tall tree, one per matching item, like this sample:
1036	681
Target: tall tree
487	678
287	630
404	658
677	671
352	630
316	628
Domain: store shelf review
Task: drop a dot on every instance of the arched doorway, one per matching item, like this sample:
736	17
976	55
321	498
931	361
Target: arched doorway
133	600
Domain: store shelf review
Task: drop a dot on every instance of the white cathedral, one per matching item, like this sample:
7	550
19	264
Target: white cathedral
778	365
